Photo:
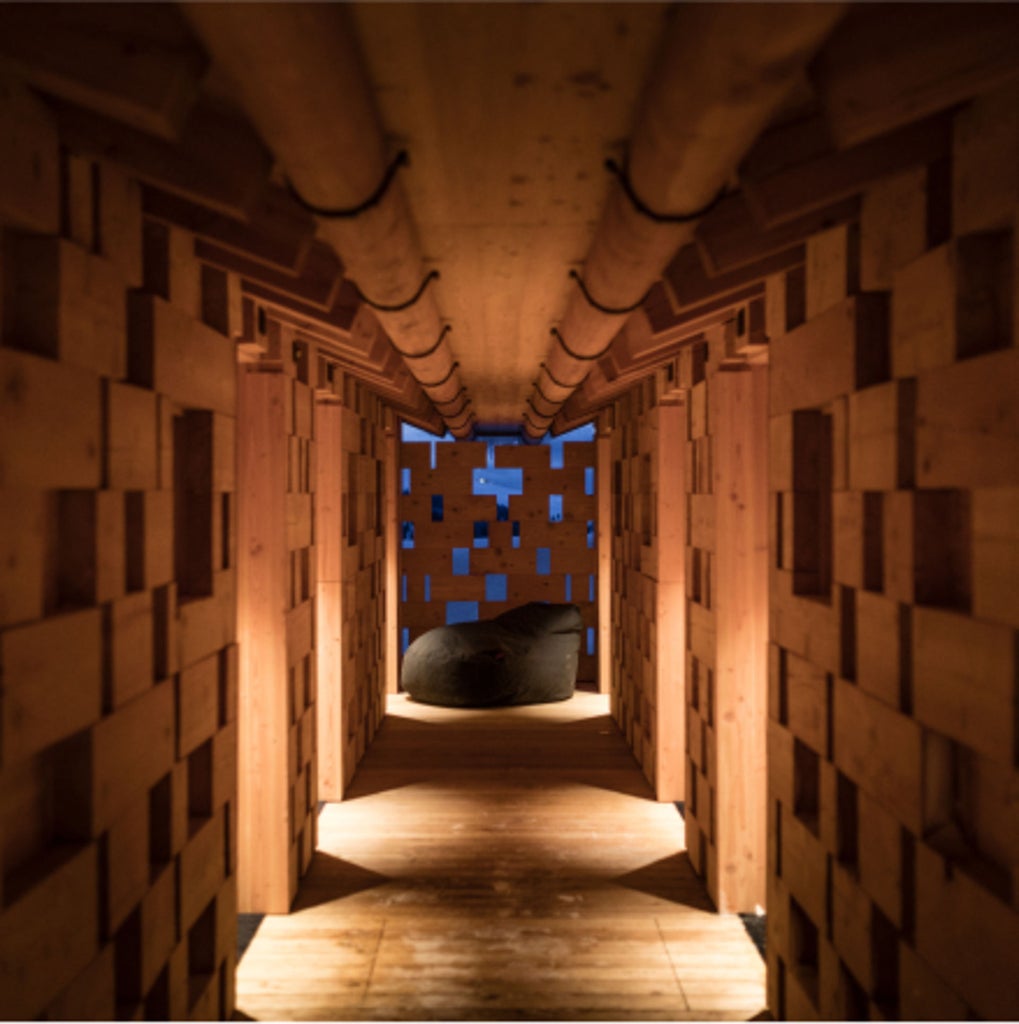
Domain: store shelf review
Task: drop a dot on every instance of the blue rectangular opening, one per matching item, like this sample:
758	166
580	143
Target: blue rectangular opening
404	640
428	587
403	587
543	561
556	454
568	596
516	533
461	561
405	480
589	480
495	586
461	611
407	534
590	588
480	533
590	533
555	508
502	482
436	508
590	640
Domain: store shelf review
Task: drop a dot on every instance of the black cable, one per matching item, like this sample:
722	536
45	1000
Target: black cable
592	301
542	431
457	426
659	218
538	412
428	351
558	383
577	355
453	415
450	401
402	159
543	396
439	383
399	306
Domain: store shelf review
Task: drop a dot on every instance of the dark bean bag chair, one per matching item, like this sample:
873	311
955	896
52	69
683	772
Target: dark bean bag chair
527	655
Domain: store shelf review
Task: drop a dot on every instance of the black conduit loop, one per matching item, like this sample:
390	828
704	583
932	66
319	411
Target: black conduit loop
453	415
439	383
558	383
576	355
458	426
540	431
659	218
543	396
398	306
541	415
609	310
464	406
538	412
428	351
402	159
455	398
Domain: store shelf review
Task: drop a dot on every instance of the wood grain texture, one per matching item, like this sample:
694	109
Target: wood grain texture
262	778
500	864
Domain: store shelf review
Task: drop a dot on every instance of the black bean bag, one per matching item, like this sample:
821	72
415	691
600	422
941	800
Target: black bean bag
527	655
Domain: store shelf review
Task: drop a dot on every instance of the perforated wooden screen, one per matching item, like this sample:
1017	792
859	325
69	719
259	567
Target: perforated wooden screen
493	526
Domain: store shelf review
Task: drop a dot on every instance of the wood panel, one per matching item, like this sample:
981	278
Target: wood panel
117	649
507	547
740	593
892	688
263	577
329	598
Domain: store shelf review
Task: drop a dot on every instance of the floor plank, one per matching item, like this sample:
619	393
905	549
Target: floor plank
504	864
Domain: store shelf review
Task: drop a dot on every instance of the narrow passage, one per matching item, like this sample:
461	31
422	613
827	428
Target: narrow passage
501	864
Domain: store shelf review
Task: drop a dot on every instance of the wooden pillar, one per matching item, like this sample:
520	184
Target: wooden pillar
740	422
263	719
329	597
392	476
670	660
603	483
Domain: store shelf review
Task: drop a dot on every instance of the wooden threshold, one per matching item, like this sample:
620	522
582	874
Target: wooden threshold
501	864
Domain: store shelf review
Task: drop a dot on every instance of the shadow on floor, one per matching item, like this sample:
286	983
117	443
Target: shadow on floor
329	879
432	751
247	925
671	878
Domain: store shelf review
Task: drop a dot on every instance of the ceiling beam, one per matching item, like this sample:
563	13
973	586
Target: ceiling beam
890	64
725	70
134	63
218	160
299	74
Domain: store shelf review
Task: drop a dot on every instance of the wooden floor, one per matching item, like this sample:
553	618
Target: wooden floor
502	864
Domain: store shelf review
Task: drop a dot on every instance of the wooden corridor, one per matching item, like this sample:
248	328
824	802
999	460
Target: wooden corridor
502	864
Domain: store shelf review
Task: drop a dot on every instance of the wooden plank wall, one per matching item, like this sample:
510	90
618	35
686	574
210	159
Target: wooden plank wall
277	763
431	557
118	712
894	479
690	603
727	601
633	692
363	544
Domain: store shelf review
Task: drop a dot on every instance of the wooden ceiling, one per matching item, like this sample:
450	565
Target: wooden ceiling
507	112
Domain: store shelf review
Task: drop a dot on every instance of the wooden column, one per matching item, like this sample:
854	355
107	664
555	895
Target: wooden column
392	474
740	420
329	597
603	484
263	871
670	664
